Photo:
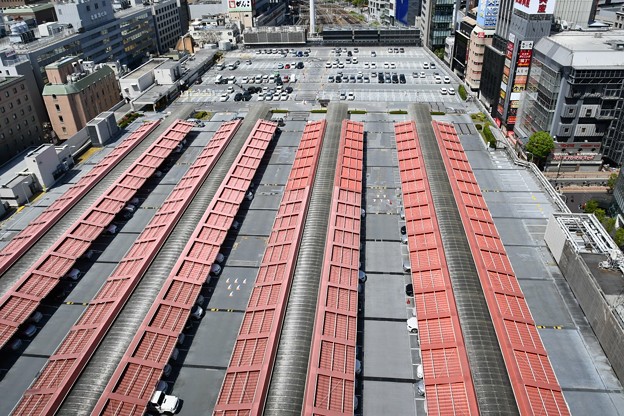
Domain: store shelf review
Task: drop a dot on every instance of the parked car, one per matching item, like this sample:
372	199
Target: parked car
163	403
412	325
409	290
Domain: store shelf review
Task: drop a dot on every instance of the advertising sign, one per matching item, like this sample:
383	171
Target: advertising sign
506	71
535	6
526	44
522	72
514	104
400	13
511	120
515	96
505	79
487	13
520	79
239	5
503	94
518	87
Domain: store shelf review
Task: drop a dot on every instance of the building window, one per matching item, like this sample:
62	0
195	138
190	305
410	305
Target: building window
2	110
22	86
61	119
58	107
64	129
53	96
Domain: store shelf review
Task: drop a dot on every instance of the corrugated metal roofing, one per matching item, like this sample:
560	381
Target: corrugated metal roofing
24	297
139	371
247	377
330	388
448	382
36	228
63	368
533	380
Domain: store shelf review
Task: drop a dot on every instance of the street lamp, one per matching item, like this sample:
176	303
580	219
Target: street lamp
26	192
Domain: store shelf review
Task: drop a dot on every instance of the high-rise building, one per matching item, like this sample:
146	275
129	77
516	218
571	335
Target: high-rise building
575	90
436	22
20	127
462	45
531	21
95	34
78	92
479	39
166	15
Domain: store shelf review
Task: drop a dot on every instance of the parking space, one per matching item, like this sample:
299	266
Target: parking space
324	74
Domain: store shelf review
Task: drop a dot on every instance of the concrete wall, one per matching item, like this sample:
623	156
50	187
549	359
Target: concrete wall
605	324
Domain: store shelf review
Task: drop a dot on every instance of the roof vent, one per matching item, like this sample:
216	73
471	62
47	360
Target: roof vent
617	44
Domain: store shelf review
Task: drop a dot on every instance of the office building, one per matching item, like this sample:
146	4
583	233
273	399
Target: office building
93	31
479	39
167	24
462	45
20	127
77	93
575	90
436	22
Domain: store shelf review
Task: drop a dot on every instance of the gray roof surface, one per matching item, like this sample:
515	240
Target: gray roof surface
584	49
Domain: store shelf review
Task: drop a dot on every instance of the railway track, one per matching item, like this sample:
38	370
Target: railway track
327	14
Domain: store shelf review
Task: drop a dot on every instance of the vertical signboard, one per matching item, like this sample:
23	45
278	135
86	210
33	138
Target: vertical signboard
400	12
520	78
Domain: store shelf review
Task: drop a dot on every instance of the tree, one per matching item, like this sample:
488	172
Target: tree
611	182
590	206
540	145
619	237
439	53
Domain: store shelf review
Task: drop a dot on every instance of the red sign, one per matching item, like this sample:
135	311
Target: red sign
481	35
525	3
542	6
524	62
525	54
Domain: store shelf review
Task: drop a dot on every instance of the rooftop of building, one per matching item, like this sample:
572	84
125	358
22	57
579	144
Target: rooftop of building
600	50
146	68
28	8
78	85
8	80
61	62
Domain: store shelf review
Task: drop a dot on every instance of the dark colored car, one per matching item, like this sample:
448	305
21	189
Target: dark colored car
409	290
402	79
238	96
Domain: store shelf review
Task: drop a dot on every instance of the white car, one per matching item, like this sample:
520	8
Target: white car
224	97
351	96
447	80
328	64
420	372
163	403
373	65
438	79
451	91
386	65
392	65
412	325
423	75
343	96
366	65
443	91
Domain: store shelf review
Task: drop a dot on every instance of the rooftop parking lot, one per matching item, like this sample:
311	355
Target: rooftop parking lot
389	354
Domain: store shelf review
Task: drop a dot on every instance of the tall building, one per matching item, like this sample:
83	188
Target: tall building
166	15
573	14
479	39
531	21
462	45
576	90
20	126
77	93
95	34
436	22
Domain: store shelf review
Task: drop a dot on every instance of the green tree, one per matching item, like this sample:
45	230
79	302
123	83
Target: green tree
609	224
439	53
540	145
591	206
600	214
462	92
619	237
611	182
